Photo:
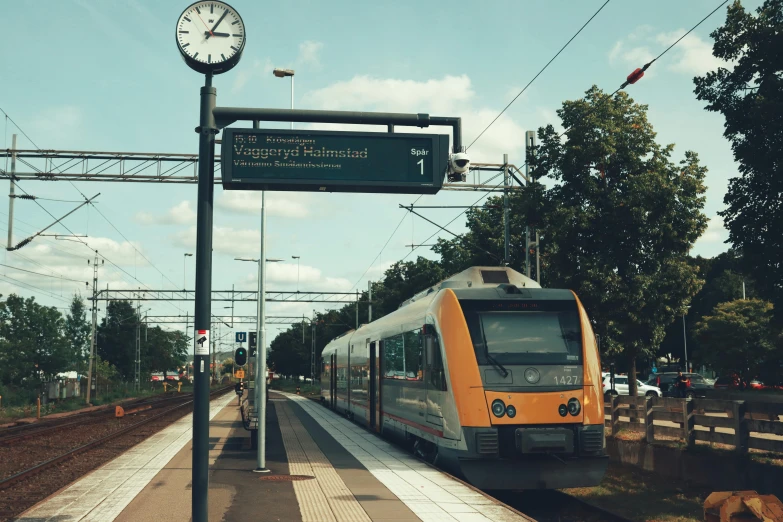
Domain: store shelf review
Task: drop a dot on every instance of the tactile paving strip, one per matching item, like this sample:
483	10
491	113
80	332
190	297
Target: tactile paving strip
430	494
326	498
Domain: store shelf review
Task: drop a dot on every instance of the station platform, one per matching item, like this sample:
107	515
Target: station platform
324	468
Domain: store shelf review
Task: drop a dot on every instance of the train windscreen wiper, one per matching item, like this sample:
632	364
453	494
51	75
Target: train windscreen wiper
499	367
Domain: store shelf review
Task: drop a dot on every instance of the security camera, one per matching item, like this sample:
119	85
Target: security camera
459	165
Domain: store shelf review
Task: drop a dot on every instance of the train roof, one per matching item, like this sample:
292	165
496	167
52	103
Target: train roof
478	277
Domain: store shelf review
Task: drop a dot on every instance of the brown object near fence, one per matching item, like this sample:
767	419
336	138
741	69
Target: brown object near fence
746	506
753	425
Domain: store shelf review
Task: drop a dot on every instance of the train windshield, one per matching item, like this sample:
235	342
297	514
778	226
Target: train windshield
546	332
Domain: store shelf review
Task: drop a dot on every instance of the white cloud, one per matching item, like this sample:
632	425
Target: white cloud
180	214
277	204
283	276
692	55
309	52
60	126
449	96
225	240
716	232
259	70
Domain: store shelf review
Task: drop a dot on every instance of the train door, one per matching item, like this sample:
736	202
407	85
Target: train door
373	385
333	383
434	377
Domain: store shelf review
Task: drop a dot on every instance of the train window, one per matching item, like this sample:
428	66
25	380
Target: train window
436	374
413	355
393	358
551	335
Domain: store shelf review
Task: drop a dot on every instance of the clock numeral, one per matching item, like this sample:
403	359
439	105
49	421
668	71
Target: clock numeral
211	8
198	11
237	35
184	32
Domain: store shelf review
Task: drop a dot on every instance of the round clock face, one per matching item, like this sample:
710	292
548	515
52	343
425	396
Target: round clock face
210	36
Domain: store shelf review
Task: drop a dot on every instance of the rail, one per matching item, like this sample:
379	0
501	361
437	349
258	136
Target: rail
743	424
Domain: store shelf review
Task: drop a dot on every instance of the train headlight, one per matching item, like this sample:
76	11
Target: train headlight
498	408
562	410
574	407
511	411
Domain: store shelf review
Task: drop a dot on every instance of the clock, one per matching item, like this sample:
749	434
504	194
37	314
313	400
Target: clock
210	37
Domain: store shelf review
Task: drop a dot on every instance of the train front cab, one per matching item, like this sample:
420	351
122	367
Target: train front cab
532	356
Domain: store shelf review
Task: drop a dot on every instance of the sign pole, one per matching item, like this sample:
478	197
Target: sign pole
206	174
261	350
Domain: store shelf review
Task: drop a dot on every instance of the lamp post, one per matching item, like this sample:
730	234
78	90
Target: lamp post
184	278
297	272
260	380
685	340
282	73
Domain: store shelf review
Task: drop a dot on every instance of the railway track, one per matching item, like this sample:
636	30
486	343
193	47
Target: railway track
23	431
56	466
555	506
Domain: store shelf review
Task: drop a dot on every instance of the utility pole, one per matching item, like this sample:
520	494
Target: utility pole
260	398
138	341
312	345
506	223
369	301
94	310
357	308
11	194
530	138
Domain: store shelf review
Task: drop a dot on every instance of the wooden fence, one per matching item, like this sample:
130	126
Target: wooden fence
742	424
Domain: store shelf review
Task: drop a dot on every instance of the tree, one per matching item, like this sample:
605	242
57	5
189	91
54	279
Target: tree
77	333
227	366
620	221
737	338
33	347
117	338
749	94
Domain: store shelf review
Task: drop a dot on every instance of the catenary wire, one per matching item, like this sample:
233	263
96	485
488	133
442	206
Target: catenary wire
539	73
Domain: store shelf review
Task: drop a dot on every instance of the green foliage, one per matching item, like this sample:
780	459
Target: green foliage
227	366
749	94
620	221
77	334
737	338
32	345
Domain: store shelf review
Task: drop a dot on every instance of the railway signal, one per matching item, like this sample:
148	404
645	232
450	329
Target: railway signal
240	357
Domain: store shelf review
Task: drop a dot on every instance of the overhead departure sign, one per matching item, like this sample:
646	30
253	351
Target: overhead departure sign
333	161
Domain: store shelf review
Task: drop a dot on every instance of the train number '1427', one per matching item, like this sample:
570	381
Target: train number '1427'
567	379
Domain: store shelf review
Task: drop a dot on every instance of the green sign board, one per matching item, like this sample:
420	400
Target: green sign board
333	161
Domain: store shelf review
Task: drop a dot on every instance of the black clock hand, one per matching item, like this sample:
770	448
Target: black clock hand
219	20
207	33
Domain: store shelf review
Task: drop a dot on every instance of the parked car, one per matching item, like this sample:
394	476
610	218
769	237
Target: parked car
621	387
697	385
734	382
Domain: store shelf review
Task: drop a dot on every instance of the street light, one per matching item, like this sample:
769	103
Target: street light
685	340
282	73
260	379
297	272
184	285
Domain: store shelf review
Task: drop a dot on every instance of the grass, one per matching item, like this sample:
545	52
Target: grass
289	386
645	497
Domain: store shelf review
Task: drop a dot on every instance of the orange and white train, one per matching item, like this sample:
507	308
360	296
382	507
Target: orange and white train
486	374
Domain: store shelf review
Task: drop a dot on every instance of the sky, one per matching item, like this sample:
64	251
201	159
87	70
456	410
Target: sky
107	76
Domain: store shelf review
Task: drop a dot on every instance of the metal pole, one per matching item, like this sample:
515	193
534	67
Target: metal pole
538	258
261	348
292	98
94	325
506	224
530	140
11	194
743	281
369	299
203	304
685	343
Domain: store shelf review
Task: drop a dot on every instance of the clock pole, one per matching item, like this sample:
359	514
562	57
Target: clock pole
206	174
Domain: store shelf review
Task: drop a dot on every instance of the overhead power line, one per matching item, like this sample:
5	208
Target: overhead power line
42	275
539	73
